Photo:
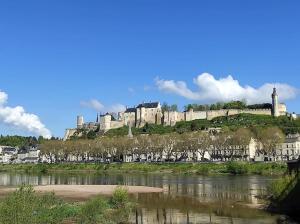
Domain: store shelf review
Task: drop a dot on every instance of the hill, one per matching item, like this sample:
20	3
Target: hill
233	122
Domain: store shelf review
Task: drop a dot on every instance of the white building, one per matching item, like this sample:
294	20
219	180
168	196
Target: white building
8	154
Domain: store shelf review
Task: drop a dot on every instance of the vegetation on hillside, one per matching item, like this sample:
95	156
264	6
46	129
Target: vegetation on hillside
26	206
20	141
233	122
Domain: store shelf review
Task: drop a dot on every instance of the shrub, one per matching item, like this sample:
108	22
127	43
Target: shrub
121	206
25	206
236	168
93	211
278	188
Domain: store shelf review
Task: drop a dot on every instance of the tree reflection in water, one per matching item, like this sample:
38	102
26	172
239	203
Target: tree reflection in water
186	198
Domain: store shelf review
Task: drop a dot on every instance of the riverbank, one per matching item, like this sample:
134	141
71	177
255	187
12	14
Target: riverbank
85	192
181	168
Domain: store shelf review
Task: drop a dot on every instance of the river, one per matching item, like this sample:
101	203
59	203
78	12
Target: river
186	198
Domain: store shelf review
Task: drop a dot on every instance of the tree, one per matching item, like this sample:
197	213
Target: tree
203	144
195	126
270	138
188	107
235	105
165	107
220	143
174	107
240	140
91	135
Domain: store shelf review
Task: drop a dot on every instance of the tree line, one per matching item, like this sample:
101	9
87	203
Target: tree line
225	145
22	141
228	105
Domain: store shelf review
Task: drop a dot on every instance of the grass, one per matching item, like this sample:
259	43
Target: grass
280	188
180	168
26	206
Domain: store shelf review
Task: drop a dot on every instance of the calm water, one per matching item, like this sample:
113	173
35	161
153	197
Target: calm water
186	199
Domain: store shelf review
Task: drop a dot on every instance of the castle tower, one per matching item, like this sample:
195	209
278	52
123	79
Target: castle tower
105	122
275	106
80	121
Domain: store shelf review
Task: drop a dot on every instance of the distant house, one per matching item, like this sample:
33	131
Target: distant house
8	154
28	155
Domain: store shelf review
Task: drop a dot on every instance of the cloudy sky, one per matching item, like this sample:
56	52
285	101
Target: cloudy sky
63	58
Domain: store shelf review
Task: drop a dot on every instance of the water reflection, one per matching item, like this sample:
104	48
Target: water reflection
186	199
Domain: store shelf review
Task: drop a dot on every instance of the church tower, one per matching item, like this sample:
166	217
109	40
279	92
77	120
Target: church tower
275	106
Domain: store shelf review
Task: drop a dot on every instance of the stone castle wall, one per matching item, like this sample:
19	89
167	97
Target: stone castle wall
211	114
116	124
195	115
172	117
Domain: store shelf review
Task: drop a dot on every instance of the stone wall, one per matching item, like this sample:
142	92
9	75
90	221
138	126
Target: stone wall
195	115
69	132
171	117
220	113
128	117
116	124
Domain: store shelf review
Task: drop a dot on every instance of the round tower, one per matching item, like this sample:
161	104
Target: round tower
79	121
275	106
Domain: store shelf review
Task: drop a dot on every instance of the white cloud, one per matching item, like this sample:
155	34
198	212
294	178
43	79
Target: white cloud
3	97
93	104
18	118
99	107
210	89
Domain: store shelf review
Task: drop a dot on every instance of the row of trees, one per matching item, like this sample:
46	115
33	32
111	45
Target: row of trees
228	105
226	145
166	107
21	141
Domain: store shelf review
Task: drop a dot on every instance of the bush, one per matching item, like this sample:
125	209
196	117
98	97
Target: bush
25	206
121	206
236	168
93	211
278	188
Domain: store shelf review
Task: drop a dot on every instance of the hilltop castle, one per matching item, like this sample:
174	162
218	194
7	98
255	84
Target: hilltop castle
152	113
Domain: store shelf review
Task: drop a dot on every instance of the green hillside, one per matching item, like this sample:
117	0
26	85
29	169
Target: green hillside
230	122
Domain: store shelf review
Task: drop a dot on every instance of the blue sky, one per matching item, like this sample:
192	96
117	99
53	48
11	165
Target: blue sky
56	54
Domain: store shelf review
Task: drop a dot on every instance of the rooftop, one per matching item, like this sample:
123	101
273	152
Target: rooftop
130	110
148	105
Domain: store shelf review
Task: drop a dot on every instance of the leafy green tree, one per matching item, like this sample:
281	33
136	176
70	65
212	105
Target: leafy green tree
174	107
91	135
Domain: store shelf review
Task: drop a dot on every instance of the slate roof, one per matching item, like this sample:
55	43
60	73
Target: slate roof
148	105
130	110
